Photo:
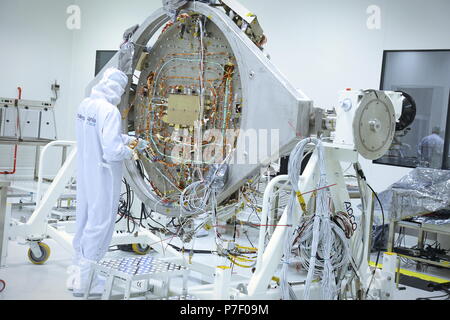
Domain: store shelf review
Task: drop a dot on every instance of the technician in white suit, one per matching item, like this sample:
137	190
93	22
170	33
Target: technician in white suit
431	149
102	150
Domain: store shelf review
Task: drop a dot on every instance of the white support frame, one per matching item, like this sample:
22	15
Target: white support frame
221	284
269	258
5	218
37	228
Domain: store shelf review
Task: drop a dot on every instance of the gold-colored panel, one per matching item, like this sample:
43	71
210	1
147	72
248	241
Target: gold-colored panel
142	61
183	110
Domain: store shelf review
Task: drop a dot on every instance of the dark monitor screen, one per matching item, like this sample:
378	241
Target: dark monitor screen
102	58
425	76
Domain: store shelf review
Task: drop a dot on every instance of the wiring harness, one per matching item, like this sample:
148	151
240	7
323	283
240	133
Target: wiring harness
322	243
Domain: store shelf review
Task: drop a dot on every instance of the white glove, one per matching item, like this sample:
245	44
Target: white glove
126	55
142	145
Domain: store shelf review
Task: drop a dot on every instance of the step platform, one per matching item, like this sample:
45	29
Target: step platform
141	269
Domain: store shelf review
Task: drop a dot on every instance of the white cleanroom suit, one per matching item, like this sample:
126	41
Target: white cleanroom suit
101	151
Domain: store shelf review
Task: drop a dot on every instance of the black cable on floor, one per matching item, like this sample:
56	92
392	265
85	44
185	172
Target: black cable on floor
439	287
190	250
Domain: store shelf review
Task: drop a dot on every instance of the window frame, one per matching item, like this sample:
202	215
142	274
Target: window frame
445	155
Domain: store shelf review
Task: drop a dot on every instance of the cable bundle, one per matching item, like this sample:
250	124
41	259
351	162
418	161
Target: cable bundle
294	168
338	250
194	199
323	245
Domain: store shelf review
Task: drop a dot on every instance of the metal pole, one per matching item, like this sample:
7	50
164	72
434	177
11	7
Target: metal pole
4	221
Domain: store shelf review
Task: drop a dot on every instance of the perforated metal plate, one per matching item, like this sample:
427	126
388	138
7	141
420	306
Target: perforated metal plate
140	266
262	99
169	102
182	298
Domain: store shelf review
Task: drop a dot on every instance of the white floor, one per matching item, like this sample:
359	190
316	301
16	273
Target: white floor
25	281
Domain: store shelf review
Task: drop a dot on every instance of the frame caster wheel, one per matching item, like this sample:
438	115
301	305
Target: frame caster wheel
140	249
43	257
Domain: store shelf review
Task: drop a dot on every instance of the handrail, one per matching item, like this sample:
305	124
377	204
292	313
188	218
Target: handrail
265	213
42	162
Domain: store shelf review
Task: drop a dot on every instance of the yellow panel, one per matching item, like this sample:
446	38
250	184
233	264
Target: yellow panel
410	273
143	59
183	110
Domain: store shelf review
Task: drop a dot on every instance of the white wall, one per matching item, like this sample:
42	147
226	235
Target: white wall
322	46
102	27
36	50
